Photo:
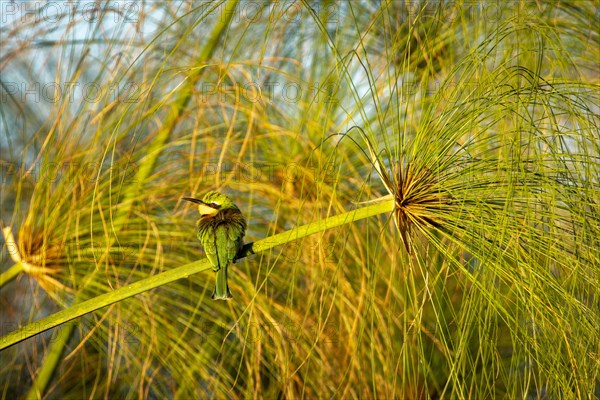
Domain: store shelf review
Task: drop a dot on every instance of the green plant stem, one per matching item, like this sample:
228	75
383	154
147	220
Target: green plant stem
11	273
52	358
184	271
154	150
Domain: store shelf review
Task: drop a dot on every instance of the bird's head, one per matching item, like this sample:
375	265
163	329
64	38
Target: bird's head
211	203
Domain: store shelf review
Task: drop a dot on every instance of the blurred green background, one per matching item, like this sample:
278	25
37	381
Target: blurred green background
480	118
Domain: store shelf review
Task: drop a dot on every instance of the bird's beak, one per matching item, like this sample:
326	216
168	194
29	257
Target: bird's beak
193	200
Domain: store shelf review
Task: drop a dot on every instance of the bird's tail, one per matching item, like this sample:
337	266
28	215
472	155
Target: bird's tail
221	287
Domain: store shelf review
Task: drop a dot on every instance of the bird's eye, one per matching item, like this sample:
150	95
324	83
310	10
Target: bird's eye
215	205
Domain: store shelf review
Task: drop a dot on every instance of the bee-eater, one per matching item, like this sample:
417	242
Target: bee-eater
220	229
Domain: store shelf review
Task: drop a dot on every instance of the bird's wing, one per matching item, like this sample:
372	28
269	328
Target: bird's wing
211	250
237	238
234	234
227	236
209	243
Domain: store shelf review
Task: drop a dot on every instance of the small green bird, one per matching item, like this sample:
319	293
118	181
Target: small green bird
220	229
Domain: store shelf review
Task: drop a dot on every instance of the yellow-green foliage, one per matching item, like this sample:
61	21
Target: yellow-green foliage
480	119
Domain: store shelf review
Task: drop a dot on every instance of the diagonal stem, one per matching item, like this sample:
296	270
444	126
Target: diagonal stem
184	271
